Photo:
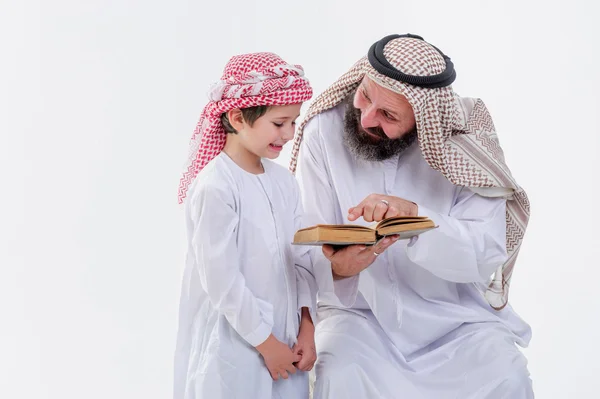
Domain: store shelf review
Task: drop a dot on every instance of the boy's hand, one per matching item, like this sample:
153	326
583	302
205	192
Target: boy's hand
306	343
278	357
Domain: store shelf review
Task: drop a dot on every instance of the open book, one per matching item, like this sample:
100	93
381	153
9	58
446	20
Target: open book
349	234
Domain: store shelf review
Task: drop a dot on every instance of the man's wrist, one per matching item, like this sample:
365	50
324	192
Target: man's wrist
336	276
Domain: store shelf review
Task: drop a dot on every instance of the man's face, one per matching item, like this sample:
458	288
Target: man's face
378	123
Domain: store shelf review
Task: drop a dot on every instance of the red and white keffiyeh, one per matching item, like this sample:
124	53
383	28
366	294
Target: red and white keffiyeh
248	80
456	136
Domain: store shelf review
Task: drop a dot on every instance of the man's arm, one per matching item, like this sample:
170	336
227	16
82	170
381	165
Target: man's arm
470	242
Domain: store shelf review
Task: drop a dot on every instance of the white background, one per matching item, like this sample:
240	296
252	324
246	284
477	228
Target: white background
99	98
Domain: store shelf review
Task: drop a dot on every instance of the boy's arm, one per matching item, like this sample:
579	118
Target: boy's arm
217	259
306	342
305	278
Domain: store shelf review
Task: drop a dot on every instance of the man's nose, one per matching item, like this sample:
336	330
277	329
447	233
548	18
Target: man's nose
368	118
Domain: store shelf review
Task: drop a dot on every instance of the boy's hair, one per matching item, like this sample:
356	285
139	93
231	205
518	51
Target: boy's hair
250	115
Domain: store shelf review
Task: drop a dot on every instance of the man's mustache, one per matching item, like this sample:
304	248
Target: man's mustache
376	131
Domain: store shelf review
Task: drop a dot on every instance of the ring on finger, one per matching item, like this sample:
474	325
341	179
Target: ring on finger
375	253
385	202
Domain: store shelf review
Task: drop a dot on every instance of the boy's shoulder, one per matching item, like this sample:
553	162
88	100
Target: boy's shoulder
215	176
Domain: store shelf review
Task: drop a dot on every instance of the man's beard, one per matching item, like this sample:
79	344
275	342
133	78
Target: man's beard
369	148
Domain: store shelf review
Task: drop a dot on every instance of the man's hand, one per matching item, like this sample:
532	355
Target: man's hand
306	343
353	259
278	357
377	207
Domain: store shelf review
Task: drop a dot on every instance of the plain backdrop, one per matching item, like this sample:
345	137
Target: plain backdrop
98	99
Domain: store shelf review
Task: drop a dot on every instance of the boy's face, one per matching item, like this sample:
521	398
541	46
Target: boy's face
269	133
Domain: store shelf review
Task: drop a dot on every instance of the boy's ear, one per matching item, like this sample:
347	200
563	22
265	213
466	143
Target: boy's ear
236	119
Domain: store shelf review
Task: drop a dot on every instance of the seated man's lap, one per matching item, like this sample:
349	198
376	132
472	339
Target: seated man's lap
354	352
354	360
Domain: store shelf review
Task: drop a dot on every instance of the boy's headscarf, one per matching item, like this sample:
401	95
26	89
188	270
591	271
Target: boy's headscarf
249	80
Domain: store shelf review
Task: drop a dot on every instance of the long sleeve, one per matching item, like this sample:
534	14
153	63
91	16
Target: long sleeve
320	207
217	259
305	278
470	242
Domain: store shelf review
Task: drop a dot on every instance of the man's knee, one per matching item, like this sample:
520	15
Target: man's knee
334	354
517	385
340	342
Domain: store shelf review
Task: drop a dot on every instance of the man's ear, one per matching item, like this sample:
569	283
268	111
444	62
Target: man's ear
236	119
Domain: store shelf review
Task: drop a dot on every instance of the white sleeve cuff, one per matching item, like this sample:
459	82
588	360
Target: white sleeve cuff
259	335
346	289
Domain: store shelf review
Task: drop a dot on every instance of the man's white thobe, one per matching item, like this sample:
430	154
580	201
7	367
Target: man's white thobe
243	281
414	324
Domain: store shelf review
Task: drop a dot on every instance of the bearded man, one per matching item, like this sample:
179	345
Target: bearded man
427	318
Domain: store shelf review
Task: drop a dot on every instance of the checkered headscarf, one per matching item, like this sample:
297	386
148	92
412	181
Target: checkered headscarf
456	135
249	80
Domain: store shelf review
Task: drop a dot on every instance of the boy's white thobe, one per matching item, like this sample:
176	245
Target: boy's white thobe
243	281
414	324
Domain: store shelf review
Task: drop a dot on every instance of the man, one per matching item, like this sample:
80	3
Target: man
418	319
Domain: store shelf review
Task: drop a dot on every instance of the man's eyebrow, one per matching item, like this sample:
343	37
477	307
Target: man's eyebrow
364	92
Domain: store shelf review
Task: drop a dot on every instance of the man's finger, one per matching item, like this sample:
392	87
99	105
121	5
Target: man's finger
352	250
284	374
274	375
382	245
355	213
328	251
358	211
392	211
380	211
369	211
377	248
355	249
